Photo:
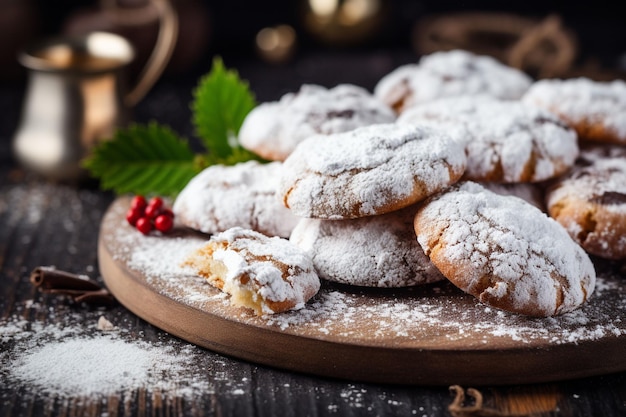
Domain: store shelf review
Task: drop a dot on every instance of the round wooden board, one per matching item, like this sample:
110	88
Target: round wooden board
430	335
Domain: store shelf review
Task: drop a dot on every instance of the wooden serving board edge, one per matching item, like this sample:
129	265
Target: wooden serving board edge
375	364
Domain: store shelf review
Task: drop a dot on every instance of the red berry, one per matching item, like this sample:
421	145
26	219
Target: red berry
138	202
152	211
132	215
157	202
143	225
167	212
163	223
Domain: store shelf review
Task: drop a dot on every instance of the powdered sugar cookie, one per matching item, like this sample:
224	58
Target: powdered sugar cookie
375	251
590	202
505	141
267	275
450	73
272	130
595	109
504	251
367	171
243	195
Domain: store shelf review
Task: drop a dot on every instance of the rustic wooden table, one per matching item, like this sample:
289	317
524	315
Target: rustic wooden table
57	225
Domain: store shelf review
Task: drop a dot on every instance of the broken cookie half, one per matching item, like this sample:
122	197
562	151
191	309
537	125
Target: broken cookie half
266	274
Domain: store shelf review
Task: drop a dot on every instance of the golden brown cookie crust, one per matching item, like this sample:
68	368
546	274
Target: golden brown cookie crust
506	141
594	109
272	130
450	74
590	202
369	171
504	251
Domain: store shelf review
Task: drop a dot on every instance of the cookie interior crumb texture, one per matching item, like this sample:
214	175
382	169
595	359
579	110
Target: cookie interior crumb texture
267	275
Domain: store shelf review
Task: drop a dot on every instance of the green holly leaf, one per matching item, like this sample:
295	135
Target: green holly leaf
140	159
221	103
152	159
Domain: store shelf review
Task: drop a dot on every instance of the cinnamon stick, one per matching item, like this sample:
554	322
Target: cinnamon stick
79	287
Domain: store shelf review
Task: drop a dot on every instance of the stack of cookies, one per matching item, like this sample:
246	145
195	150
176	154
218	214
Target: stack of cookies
456	168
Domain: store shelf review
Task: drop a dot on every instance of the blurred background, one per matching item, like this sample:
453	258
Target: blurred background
279	44
234	29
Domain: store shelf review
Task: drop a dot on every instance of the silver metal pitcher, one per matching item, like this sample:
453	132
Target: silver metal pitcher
77	95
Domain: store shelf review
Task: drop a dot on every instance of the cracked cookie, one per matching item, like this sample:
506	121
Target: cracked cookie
273	129
590	202
376	251
450	73
504	251
266	274
244	195
595	109
369	171
505	141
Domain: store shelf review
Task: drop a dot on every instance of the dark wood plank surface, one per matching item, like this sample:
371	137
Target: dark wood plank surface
55	224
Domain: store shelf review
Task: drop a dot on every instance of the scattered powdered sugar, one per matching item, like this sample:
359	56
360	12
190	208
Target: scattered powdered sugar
84	367
70	361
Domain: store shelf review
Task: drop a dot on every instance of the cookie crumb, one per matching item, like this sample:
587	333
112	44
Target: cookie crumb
105	325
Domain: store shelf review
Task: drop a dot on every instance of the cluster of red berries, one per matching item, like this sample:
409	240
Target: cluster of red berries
145	216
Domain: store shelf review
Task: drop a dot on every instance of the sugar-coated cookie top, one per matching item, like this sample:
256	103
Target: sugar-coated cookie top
530	257
451	73
274	129
369	169
598	178
281	270
502	135
375	251
221	197
583	99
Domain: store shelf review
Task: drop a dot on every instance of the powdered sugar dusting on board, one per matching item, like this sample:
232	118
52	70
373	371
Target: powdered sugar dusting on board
431	314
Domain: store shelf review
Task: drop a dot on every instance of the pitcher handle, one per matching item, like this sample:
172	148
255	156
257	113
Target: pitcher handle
161	54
